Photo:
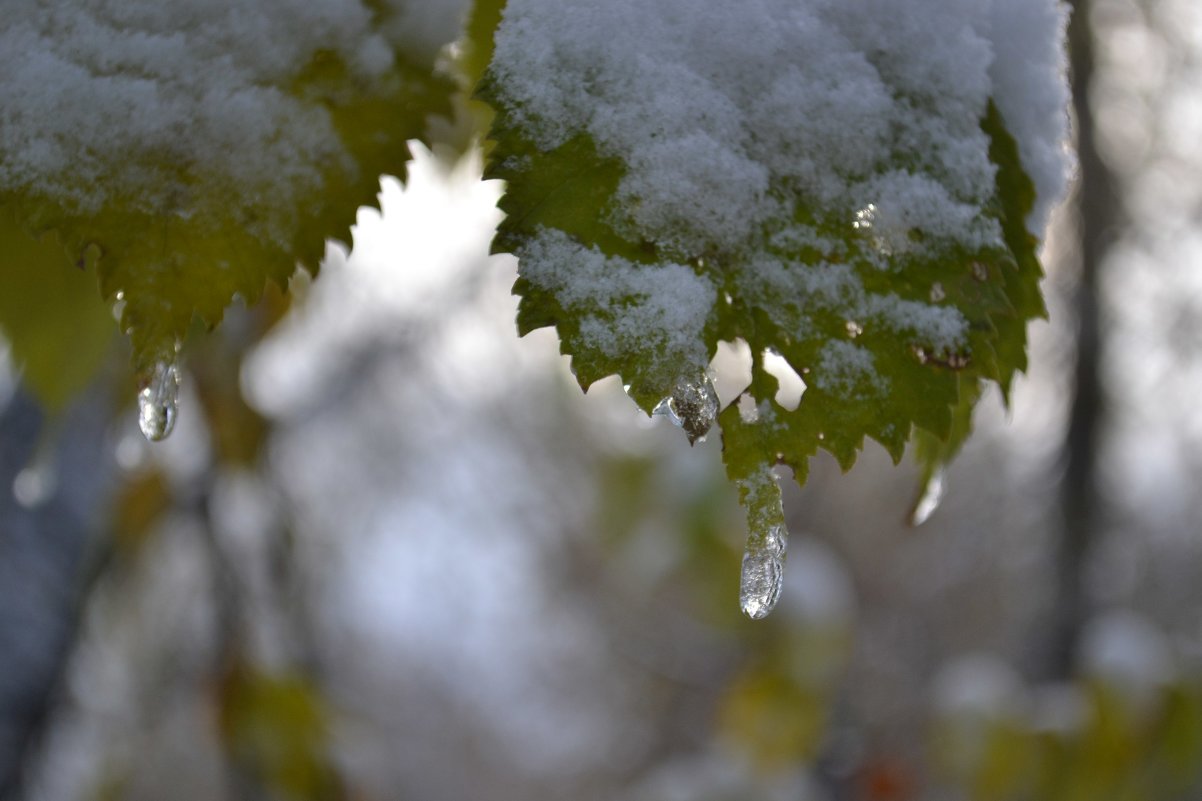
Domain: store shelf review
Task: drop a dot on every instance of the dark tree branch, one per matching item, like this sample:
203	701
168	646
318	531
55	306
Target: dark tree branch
1079	495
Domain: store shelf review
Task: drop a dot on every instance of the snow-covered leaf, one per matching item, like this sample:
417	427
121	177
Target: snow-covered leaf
203	149
835	183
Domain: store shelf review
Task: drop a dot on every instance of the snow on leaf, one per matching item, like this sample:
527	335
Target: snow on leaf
205	148
828	181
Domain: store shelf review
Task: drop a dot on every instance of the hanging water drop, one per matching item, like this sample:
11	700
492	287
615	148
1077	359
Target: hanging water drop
763	571
692	406
158	401
929	500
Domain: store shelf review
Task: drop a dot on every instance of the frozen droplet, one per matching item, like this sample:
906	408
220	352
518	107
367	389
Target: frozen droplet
692	406
158	401
937	293
865	217
929	500
763	571
865	222
854	329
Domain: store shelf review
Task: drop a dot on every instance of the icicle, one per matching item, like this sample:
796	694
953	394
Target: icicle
692	406
158	401
929	500
764	557
763	571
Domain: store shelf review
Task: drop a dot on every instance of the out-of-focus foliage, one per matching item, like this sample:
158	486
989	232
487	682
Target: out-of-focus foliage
1107	747
50	312
278	727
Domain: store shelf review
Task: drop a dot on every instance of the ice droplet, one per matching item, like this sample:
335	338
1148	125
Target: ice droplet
865	217
866	223
158	401
763	571
692	406
929	500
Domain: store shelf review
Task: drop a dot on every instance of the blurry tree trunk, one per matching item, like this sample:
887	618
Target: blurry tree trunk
1079	495
49	556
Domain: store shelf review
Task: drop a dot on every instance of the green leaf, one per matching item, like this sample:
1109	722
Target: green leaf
857	320
59	329
180	235
934	454
277	727
1015	197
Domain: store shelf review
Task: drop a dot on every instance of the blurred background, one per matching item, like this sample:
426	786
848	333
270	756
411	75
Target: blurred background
392	552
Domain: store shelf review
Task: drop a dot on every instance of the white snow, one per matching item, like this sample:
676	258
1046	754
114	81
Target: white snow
848	371
158	103
1028	46
624	308
717	108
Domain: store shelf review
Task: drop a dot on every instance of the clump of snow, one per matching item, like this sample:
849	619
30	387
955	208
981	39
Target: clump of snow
1028	46
157	104
847	371
735	122
772	282
626	308
722	111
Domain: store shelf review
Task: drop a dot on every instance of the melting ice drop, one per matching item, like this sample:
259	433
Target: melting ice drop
763	571
692	406
158	401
